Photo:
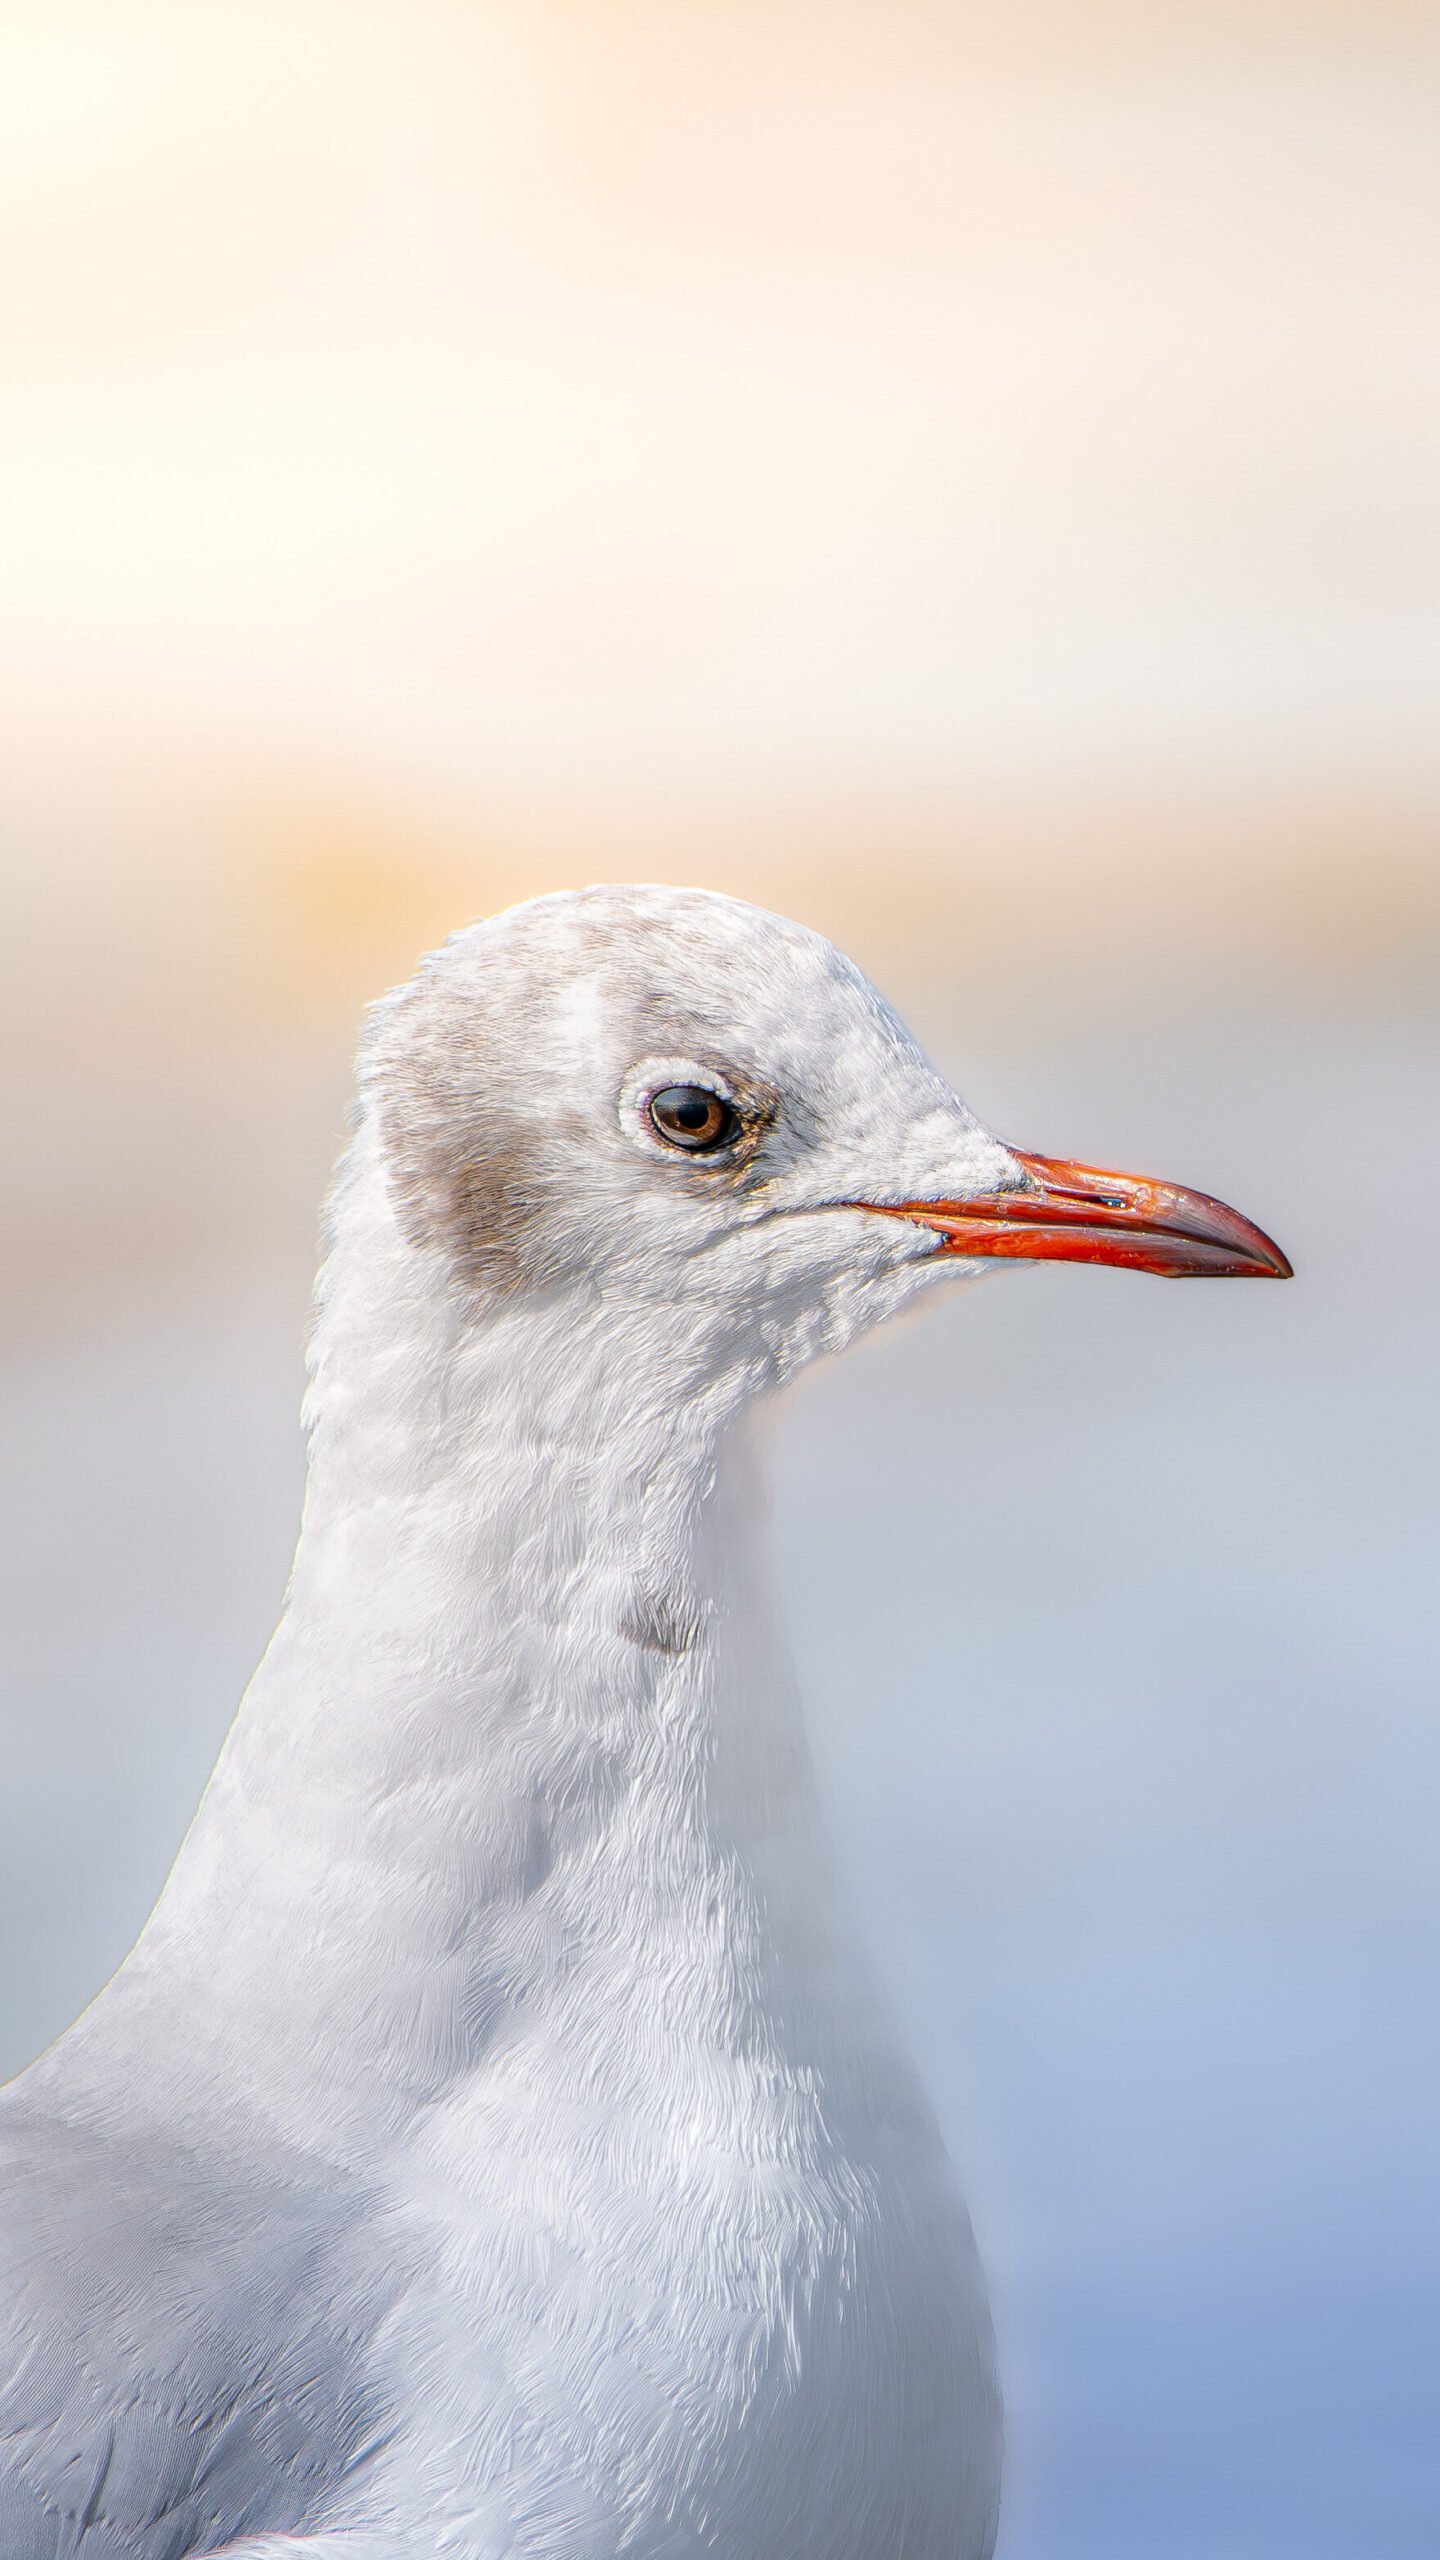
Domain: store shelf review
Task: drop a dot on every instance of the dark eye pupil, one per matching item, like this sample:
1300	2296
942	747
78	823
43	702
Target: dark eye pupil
689	1115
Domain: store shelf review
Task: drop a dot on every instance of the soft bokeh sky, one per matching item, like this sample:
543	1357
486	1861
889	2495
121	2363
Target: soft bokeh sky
570	433
964	474
631	396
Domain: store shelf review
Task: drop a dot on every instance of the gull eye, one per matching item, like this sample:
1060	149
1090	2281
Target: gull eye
691	1116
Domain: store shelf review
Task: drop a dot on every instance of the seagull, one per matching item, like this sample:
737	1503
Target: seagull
494	2144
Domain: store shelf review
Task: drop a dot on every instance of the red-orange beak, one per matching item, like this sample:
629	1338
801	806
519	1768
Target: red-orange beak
1078	1213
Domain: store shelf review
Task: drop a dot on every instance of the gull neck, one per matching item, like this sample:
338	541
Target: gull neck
527	1706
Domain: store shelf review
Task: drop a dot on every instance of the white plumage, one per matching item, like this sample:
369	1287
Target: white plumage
494	2145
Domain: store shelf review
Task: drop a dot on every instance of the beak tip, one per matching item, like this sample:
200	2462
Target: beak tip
1271	1266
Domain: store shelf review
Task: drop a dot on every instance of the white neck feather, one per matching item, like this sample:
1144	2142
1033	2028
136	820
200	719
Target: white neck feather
528	1709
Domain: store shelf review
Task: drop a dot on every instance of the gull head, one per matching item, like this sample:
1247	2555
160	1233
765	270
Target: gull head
701	1122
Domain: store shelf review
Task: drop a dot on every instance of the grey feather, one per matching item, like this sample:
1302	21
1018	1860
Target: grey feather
181	2342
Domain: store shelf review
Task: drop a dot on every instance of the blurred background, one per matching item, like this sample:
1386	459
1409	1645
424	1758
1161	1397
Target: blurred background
964	475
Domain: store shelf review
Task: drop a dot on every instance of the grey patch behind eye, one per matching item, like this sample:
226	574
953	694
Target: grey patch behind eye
660	1623
467	1174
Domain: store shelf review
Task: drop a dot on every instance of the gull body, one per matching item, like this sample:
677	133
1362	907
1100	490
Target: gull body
494	2144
